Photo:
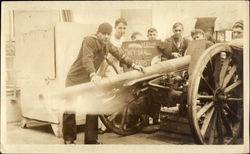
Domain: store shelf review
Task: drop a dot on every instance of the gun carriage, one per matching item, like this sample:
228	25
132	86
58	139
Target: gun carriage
208	89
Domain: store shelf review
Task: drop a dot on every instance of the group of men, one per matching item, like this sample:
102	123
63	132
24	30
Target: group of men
105	47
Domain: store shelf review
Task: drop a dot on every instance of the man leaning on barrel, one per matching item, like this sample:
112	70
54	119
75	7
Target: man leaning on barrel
92	54
176	45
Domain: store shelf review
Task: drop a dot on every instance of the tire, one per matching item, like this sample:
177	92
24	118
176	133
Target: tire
215	96
127	120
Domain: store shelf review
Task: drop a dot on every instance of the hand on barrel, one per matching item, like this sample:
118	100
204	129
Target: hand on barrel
138	68
176	55
95	78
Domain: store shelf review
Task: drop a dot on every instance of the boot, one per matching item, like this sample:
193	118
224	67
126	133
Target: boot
69	127
91	129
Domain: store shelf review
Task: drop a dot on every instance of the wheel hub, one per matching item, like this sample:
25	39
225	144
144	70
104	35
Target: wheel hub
220	97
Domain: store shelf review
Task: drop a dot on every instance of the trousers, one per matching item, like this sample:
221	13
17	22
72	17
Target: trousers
70	128
91	129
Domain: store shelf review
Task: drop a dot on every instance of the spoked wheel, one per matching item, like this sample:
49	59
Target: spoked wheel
215	96
128	120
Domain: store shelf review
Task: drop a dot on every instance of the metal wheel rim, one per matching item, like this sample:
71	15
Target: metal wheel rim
195	79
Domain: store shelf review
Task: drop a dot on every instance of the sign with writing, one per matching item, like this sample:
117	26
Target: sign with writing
141	52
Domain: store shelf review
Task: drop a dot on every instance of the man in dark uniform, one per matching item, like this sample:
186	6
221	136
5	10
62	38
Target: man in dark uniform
92	54
238	30
176	45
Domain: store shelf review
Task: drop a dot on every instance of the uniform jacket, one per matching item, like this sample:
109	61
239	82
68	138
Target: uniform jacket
90	57
169	46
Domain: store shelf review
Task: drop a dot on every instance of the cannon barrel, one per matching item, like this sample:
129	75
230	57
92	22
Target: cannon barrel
177	64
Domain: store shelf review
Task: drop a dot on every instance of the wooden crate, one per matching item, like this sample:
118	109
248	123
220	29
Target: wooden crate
171	121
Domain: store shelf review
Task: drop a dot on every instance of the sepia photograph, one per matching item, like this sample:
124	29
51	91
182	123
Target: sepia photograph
125	77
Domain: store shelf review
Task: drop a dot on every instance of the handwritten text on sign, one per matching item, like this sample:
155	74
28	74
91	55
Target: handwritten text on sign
141	52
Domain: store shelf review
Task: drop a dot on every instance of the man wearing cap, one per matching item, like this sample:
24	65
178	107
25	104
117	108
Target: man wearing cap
237	44
237	41
238	30
92	54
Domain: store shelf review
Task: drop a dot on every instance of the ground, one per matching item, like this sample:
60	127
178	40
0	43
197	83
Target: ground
43	134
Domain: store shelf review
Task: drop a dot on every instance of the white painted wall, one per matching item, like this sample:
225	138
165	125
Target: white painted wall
95	15
164	13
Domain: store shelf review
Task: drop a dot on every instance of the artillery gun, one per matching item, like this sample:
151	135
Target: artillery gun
209	89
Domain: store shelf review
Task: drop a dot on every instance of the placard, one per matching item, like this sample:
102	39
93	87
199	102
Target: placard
141	52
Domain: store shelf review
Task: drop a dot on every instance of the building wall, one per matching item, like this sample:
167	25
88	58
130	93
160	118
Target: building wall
164	13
